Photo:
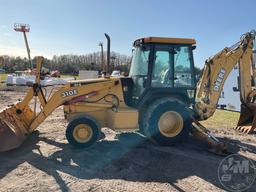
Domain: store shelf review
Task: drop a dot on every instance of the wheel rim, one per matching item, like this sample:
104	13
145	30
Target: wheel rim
82	133
170	124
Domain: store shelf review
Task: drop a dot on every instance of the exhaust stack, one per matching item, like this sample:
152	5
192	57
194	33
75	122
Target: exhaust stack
108	53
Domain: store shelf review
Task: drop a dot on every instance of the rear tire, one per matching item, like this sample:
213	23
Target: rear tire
167	122
82	132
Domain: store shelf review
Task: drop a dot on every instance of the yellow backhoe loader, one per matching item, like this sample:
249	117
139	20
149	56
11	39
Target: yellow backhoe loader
159	97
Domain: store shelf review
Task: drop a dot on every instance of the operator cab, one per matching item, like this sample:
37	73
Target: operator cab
162	67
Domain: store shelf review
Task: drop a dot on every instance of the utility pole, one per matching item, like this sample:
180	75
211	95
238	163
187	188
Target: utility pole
19	27
102	57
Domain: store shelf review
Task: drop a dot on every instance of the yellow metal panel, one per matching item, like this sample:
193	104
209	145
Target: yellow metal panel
167	40
124	118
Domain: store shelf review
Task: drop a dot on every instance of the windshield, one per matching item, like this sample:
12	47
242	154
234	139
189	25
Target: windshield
139	70
139	65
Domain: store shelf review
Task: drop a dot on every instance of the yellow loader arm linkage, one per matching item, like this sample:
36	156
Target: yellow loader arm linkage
216	71
19	120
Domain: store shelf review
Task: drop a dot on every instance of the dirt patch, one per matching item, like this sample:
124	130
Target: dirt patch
119	162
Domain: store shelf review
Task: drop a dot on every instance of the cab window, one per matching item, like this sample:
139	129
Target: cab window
172	66
182	68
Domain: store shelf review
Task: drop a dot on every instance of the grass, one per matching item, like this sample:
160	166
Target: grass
3	76
222	119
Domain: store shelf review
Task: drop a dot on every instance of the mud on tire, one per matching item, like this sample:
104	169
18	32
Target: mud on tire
153	115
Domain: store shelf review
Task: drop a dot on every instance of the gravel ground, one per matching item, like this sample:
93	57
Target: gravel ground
119	162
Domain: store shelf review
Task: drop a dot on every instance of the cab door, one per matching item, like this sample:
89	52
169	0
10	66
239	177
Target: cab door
173	67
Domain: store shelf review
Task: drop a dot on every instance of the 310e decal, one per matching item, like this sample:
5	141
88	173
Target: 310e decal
69	93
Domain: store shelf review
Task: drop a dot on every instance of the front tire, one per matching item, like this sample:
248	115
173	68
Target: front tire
82	132
167	122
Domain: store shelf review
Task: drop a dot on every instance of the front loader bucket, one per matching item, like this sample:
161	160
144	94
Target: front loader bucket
13	127
9	139
16	122
247	119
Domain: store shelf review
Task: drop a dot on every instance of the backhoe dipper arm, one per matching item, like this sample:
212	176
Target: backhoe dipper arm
216	71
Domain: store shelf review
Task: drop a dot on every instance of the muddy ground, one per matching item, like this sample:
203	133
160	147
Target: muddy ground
119	162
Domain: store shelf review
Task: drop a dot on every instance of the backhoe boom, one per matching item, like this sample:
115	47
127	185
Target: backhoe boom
216	71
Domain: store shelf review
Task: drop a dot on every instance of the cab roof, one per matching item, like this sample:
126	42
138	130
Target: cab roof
164	40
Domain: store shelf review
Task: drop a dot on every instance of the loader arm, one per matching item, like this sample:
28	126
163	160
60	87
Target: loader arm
19	120
216	71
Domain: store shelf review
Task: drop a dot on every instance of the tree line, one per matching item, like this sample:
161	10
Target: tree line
69	63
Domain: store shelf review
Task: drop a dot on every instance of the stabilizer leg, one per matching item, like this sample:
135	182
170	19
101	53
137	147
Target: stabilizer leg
203	134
